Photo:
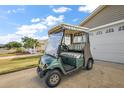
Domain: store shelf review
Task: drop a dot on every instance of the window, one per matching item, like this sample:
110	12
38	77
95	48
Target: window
109	30
99	33
78	39
67	40
121	28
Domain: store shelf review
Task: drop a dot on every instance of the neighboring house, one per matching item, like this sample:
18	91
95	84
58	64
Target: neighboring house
1	45
106	25
39	48
42	44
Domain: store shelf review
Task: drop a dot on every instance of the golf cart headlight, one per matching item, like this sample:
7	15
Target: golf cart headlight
45	66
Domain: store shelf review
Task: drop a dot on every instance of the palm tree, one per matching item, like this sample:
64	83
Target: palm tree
30	43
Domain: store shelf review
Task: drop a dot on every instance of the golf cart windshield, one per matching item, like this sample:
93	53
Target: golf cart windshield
53	43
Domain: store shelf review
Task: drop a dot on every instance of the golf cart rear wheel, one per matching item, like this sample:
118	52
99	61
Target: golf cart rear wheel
53	78
89	64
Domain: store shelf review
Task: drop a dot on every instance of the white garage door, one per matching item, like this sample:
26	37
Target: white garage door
108	43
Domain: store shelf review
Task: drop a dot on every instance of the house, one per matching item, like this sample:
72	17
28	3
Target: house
1	45
42	45
106	25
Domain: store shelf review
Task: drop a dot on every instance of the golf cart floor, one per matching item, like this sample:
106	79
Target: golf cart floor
68	67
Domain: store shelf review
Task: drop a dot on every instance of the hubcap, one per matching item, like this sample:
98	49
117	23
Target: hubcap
54	79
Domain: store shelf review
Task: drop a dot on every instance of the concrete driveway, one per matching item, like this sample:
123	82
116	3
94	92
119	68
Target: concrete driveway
103	74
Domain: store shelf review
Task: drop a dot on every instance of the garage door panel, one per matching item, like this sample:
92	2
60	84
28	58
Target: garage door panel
110	57
108	46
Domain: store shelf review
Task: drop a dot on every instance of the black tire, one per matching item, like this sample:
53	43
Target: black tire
56	75
89	64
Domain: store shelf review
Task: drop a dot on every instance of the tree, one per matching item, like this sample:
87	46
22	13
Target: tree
13	44
2	45
30	42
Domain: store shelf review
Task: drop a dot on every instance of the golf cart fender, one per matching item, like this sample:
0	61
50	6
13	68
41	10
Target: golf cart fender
87	53
57	66
85	63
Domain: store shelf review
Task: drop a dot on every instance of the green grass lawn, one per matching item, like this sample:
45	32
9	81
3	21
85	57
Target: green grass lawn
4	55
16	64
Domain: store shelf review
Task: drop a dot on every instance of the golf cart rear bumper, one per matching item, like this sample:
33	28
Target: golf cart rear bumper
40	72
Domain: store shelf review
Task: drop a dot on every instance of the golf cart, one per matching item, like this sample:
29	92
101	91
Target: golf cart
67	50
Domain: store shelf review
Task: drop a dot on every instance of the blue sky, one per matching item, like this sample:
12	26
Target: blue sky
35	21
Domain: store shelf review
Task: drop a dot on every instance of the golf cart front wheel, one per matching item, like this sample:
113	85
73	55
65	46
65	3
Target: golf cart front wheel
53	78
89	64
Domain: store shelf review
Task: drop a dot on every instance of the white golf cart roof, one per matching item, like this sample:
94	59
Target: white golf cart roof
69	29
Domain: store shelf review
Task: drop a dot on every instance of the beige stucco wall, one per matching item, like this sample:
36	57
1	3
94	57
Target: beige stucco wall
109	14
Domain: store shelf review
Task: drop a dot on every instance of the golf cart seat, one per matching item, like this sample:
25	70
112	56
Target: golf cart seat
71	54
76	47
75	51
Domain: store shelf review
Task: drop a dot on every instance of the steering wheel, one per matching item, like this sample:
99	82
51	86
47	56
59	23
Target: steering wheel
65	47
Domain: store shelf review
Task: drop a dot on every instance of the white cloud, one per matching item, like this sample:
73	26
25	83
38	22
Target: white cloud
32	29
14	37
44	37
35	20
87	8
29	30
41	38
52	20
61	9
13	24
9	11
18	10
8	38
76	19
51	6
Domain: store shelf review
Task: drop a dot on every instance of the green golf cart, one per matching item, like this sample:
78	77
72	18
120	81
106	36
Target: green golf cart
67	50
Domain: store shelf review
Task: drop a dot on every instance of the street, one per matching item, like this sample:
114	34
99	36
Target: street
103	74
